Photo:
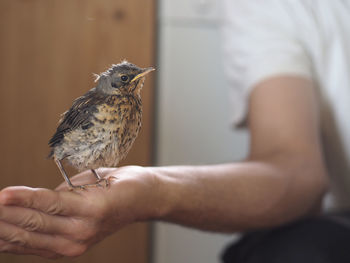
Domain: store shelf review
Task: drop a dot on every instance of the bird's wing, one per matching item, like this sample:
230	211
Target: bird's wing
79	115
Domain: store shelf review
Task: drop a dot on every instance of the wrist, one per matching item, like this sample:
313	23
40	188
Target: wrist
164	193
143	193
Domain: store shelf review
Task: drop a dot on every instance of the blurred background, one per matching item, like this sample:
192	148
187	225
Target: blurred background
49	50
193	119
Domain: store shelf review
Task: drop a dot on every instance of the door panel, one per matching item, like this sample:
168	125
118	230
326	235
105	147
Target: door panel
48	52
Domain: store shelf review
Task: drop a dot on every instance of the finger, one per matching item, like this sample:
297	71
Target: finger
45	200
6	247
34	220
19	237
62	187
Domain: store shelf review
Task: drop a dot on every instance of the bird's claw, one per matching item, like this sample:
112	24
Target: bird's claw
77	187
105	182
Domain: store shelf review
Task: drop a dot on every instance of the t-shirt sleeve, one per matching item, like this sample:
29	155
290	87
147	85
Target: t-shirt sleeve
259	41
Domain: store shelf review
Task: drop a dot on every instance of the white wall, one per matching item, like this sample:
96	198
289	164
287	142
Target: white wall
193	115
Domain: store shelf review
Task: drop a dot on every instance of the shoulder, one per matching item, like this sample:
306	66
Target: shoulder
92	97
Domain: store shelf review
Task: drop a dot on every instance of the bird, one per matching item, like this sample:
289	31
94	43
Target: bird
101	126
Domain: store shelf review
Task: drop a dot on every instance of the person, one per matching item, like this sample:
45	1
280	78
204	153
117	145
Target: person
287	62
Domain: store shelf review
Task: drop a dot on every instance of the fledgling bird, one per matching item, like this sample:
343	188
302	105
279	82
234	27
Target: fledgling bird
101	126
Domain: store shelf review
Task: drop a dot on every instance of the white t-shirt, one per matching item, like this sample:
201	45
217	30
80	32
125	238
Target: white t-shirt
306	38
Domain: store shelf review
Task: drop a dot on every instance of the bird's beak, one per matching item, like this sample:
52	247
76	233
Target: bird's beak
142	74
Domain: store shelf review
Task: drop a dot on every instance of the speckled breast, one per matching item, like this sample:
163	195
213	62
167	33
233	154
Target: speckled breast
117	123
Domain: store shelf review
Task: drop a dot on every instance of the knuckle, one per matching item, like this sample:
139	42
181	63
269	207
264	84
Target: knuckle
84	232
75	250
81	236
34	222
49	204
55	208
89	234
18	238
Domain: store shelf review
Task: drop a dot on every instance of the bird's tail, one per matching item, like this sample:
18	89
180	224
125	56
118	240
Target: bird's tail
50	155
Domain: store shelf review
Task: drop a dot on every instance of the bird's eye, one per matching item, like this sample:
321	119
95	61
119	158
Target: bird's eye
124	78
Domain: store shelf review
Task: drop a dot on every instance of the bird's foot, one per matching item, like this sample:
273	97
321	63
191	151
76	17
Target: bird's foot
77	187
106	181
103	182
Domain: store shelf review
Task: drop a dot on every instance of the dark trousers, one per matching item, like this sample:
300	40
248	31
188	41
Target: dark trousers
324	239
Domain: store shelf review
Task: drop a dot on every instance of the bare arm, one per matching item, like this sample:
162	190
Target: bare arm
282	179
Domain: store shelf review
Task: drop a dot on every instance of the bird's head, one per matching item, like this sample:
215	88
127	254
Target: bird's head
123	78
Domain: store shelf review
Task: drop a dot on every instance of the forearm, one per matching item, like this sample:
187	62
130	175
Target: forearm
239	196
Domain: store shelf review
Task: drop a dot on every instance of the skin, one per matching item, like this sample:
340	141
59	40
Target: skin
282	179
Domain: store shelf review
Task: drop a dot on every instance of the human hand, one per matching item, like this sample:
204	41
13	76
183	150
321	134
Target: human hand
66	223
